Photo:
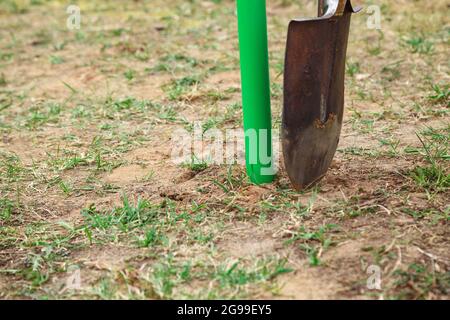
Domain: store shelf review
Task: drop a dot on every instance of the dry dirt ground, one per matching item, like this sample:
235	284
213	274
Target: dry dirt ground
91	205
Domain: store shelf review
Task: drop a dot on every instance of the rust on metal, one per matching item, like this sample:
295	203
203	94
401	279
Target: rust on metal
314	91
322	125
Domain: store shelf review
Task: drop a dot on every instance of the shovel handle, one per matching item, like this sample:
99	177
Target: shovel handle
254	58
337	6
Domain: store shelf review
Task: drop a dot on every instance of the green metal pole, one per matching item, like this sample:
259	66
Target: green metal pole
252	25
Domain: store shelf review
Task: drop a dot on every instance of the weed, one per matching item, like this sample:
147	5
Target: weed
127	217
129	74
432	177
418	44
56	59
441	94
263	270
11	168
393	145
196	165
6	209
426	282
129	103
391	72
174	62
2	80
42	114
65	187
353	68
180	87
308	239
167	275
151	238
433	215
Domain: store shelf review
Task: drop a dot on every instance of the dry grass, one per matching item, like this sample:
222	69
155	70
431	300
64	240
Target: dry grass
87	186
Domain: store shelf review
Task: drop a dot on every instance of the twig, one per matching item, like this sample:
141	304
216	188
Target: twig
432	256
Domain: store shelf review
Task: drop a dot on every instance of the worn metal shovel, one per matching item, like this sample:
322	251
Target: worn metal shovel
314	91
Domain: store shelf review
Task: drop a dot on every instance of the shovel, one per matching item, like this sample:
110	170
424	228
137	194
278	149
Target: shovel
314	91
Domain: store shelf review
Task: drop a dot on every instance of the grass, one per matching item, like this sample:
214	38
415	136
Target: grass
172	63
425	280
11	168
56	59
433	177
353	68
178	89
3	81
433	215
441	94
313	243
42	114
152	237
129	74
196	165
87	182
418	44
6	209
125	218
231	279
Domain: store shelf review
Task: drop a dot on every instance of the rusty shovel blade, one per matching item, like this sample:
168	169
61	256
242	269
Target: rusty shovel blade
314	91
